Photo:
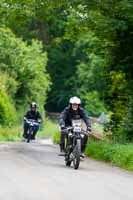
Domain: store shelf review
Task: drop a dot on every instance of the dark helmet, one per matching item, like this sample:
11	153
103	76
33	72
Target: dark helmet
33	105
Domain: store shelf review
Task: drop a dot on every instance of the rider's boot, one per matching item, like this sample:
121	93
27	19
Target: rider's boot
62	150
83	147
82	155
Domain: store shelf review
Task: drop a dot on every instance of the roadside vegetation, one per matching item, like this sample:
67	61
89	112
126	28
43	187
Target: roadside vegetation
120	155
14	133
48	129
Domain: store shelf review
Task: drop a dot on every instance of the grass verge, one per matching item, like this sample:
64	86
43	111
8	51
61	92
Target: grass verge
13	133
120	155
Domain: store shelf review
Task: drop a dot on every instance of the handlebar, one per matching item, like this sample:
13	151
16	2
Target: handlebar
31	120
65	130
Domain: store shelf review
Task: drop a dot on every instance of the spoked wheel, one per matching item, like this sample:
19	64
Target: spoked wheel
76	154
67	157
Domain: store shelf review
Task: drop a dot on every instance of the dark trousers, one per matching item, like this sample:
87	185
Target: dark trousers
26	127
83	141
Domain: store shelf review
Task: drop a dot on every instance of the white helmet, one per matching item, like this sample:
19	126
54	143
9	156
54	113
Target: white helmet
75	100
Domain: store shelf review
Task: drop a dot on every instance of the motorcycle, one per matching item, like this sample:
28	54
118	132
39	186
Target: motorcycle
30	131
74	137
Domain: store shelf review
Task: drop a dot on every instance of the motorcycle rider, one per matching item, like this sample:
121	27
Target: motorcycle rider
73	111
33	114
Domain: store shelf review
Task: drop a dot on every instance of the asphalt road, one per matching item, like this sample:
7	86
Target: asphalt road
35	172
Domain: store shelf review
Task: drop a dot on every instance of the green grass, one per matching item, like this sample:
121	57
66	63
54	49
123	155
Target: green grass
56	137
48	128
11	133
117	154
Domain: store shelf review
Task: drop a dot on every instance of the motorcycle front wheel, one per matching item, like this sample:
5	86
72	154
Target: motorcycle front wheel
76	154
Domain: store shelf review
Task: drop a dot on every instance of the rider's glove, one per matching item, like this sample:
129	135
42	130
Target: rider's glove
25	118
39	120
62	126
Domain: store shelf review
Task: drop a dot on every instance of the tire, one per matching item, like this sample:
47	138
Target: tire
29	136
67	160
77	152
67	157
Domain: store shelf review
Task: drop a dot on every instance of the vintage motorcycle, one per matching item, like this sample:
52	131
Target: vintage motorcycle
74	137
30	131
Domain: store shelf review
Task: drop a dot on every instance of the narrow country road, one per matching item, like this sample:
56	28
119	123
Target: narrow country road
35	172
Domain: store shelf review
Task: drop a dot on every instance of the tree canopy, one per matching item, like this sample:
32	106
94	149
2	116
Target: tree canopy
86	47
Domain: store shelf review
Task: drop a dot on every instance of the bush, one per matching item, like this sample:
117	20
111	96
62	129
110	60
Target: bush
93	104
56	138
7	109
13	133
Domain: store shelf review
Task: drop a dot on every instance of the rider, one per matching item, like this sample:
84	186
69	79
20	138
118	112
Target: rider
33	114
73	111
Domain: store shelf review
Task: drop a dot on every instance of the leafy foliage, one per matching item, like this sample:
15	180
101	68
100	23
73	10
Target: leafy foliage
89	49
26	78
93	104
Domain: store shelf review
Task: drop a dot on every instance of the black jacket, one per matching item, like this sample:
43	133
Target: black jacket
35	115
68	115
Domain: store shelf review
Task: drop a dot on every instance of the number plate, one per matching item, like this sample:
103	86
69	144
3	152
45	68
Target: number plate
77	129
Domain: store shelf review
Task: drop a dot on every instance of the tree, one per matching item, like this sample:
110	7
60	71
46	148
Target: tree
26	67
